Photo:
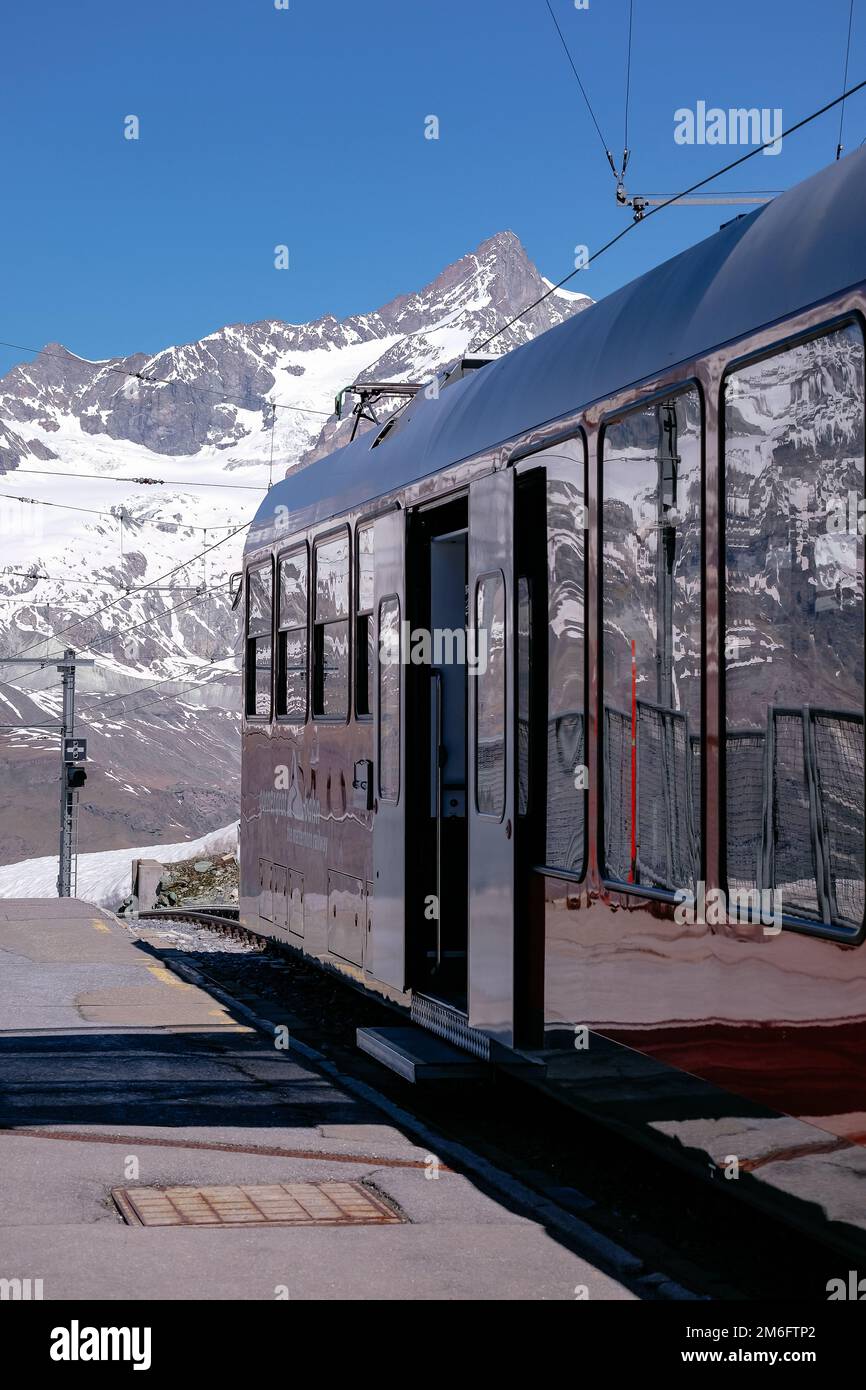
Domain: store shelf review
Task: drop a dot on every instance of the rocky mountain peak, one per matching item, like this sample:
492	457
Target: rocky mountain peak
219	389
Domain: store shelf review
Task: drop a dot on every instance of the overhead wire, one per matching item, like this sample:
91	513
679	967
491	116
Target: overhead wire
194	685
53	579
122	515
627	86
845	78
119	478
198	597
210	665
604	144
137	588
65	506
701	183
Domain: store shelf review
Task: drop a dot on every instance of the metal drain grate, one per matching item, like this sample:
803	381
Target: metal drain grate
261	1204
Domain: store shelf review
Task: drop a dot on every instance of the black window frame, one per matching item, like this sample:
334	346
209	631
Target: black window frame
316	656
792	338
613	417
279	656
249	671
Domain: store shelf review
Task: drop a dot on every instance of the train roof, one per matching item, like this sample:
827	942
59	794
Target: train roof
804	246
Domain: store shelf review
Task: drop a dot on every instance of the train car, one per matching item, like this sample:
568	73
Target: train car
554	684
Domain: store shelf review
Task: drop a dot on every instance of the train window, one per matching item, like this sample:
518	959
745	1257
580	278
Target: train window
490	695
292	637
365	648
389	699
259	641
331	628
651	605
566	744
794	550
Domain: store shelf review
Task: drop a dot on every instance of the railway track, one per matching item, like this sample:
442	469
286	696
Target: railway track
668	1217
220	919
217	914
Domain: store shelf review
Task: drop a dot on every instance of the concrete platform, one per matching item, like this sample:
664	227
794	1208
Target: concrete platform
115	1072
811	1179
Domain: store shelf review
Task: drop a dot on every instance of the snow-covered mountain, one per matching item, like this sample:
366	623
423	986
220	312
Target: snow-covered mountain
215	409
180	447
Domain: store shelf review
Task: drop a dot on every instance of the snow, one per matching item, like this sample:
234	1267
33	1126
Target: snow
565	294
105	878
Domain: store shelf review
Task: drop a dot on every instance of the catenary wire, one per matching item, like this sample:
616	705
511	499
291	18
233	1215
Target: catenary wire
845	79
605	146
661	206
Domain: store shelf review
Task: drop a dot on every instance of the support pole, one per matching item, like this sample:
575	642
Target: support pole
67	796
66	666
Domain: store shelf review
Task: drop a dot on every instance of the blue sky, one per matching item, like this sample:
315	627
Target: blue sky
305	127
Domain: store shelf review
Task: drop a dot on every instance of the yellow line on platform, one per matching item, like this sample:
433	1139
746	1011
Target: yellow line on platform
99	926
166	977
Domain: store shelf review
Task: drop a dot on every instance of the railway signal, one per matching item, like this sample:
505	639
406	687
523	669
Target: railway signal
72	751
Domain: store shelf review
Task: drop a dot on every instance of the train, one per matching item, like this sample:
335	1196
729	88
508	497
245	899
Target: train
553	682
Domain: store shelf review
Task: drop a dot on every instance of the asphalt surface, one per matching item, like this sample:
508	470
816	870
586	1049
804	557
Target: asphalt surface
116	1072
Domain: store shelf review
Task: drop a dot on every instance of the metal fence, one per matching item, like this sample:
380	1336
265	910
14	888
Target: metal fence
565	799
795	806
745	809
837	741
617	793
794	812
813	844
666	826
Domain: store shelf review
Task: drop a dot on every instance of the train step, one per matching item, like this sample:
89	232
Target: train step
418	1055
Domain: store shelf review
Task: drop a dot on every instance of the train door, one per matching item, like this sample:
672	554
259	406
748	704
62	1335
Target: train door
386	954
437	681
491	779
